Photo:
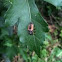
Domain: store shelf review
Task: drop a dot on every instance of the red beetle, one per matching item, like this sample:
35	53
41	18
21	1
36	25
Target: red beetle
30	28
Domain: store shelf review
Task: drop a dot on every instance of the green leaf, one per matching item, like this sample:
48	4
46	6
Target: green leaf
23	53
56	3
26	11
8	42
11	51
44	53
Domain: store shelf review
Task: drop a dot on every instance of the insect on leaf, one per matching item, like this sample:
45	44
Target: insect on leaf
26	11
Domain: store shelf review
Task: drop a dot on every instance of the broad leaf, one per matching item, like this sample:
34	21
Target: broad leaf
56	3
26	11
